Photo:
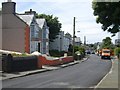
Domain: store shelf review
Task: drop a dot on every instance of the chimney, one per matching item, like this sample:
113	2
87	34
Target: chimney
9	0
30	12
8	7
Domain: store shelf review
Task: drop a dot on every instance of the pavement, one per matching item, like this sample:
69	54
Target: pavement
4	76
111	79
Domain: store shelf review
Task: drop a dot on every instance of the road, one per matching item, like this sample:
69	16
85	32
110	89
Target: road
82	75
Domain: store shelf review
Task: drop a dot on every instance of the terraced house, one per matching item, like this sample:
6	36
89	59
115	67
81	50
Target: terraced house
21	32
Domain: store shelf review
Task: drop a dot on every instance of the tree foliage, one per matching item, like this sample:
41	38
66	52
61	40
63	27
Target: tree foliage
107	43
117	51
53	24
108	14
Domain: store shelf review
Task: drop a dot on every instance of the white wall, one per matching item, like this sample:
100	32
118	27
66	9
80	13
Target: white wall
34	44
56	44
61	43
66	43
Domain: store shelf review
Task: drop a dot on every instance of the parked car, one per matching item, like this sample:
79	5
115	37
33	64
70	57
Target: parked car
93	52
88	52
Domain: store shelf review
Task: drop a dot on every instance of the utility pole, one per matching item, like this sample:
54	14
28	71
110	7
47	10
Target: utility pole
73	36
84	40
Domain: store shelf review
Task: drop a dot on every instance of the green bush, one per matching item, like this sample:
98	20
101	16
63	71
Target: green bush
54	53
19	55
82	50
117	51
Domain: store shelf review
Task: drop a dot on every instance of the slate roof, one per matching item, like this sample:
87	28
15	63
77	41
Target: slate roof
26	18
40	22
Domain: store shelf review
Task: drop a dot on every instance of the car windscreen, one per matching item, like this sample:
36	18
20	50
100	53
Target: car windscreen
106	51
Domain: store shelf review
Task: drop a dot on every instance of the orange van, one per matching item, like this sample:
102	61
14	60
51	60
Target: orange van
105	54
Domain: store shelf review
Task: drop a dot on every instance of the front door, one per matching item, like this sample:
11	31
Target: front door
38	47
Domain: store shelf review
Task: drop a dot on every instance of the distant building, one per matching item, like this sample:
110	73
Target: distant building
57	44
118	35
117	42
69	36
62	42
78	41
99	45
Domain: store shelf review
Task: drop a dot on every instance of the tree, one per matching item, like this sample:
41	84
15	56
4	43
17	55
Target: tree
106	43
53	24
117	52
108	14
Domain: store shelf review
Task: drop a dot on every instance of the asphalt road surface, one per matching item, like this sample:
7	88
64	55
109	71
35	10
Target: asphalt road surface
82	75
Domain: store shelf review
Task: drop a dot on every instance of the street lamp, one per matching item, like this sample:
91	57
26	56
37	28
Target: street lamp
78	31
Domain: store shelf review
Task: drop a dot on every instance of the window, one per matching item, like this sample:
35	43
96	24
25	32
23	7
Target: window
32	31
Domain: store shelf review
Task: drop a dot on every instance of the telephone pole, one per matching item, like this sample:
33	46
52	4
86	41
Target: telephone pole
73	36
84	40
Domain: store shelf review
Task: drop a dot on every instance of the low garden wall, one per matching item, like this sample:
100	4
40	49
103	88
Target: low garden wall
67	59
16	64
44	61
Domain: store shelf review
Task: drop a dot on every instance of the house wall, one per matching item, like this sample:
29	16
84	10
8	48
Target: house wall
0	43
66	44
34	37
0	31
56	44
61	43
27	39
45	40
13	33
40	38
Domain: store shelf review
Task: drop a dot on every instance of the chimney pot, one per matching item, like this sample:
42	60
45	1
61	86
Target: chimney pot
9	0
30	10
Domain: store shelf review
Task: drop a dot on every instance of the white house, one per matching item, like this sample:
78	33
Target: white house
77	41
44	35
66	43
57	44
61	43
34	30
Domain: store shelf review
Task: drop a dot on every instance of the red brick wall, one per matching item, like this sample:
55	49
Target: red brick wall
42	60
27	39
67	59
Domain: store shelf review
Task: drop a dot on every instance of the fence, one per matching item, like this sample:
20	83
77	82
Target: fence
16	64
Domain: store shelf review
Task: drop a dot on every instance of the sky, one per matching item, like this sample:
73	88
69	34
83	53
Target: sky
65	10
